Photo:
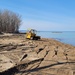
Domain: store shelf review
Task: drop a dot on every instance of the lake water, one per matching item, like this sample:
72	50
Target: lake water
67	37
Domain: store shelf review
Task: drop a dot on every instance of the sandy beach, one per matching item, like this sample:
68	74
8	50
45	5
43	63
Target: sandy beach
35	57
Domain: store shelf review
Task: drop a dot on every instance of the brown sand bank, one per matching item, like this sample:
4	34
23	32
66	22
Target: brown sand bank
19	56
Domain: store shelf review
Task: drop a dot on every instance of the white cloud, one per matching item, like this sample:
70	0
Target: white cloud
46	25
47	21
40	25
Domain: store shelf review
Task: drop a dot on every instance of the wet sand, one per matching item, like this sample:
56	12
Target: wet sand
35	57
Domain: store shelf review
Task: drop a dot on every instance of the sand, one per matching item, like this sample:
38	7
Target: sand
20	56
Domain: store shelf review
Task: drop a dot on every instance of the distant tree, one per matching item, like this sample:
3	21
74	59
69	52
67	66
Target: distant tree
9	21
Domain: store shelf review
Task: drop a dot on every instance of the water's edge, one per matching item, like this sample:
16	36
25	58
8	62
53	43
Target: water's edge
67	37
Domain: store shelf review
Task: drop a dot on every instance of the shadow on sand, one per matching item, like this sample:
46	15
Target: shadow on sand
44	67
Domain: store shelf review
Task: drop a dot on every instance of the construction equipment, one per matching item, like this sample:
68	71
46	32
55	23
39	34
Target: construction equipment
31	34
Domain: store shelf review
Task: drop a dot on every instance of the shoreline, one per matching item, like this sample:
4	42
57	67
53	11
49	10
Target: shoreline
16	35
62	40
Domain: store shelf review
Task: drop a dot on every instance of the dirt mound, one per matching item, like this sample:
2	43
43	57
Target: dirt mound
32	57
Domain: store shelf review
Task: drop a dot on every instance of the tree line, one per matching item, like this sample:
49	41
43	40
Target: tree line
9	21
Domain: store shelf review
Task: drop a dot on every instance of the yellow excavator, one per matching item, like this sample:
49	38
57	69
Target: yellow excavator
31	34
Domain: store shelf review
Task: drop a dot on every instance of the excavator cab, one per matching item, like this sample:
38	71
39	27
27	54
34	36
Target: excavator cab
31	34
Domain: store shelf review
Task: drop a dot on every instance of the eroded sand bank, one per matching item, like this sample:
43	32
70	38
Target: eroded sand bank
35	57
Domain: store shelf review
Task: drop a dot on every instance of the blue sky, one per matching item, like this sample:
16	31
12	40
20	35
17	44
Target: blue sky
48	15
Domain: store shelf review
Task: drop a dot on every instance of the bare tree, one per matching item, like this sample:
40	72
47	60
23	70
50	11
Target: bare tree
9	21
0	22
